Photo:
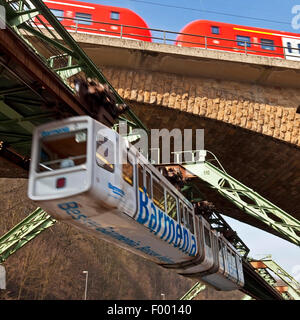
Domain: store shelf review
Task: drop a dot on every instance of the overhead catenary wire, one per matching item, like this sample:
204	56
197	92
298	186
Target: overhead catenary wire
210	11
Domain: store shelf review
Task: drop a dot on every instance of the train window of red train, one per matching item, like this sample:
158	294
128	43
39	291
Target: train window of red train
83	18
215	30
241	40
267	44
289	47
59	14
114	15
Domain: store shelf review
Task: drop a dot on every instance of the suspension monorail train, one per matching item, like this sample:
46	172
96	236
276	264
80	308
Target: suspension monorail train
85	174
84	17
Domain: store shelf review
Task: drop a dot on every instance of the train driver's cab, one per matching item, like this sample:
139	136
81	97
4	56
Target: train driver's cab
59	163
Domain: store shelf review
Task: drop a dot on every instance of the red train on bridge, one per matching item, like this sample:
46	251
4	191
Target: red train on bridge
85	17
235	38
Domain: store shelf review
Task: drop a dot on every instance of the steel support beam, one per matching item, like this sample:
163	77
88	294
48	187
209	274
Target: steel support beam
194	291
24	232
247	199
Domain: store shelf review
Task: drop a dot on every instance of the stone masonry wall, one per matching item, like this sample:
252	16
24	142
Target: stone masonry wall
267	110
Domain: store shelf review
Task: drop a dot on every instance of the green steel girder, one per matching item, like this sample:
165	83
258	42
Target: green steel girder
194	291
55	43
30	118
24	232
20	18
23	16
247	200
88	66
14	115
16	89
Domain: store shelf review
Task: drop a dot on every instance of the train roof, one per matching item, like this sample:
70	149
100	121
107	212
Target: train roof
87	5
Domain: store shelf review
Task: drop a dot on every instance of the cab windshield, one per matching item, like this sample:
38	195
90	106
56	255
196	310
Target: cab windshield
60	151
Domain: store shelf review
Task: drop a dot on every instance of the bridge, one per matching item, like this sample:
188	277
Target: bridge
248	105
241	119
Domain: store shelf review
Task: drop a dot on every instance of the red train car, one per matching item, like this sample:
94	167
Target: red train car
235	38
84	17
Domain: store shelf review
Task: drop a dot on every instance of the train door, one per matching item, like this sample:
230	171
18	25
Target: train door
106	170
291	48
144	181
128	182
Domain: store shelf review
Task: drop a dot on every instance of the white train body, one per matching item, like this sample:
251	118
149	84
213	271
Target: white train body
87	175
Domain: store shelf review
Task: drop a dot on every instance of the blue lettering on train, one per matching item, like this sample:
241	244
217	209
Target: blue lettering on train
160	223
72	209
55	131
116	190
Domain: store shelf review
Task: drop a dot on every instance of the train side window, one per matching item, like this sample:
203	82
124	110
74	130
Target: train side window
181	213
289	47
229	261
299	48
83	18
234	262
185	215
140	177
221	260
207	237
267	44
148	185
241	40
191	222
171	206
59	14
215	30
158	195
127	169
105	153
114	15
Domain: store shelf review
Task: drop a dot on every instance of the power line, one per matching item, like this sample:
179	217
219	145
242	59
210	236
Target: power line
208	11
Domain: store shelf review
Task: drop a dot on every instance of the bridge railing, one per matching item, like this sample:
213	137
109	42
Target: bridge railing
170	37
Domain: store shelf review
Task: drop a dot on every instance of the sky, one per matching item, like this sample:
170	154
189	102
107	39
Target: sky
174	14
270	14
